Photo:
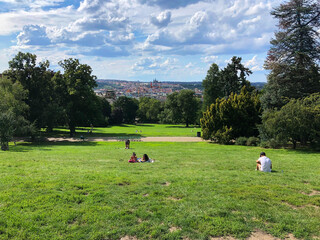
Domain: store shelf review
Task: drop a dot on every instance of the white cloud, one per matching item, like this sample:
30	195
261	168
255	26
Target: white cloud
210	59
162	20
254	64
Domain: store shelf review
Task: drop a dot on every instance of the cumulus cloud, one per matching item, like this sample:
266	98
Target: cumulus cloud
254	64
155	63
209	59
162	20
33	35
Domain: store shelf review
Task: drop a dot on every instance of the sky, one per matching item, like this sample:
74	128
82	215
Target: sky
167	40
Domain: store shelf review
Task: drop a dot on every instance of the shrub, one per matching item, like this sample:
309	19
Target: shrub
241	141
252	141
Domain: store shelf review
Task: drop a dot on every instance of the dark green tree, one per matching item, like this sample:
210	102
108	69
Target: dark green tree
234	77
149	109
213	86
232	117
221	83
128	107
75	86
188	106
37	80
172	112
297	121
13	110
294	54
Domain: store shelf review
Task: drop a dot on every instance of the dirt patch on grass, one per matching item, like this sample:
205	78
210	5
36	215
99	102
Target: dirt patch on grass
174	199
146	195
260	235
128	238
223	238
300	207
174	229
313	193
166	184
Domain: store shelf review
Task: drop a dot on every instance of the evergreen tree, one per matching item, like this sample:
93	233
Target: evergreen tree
294	54
221	83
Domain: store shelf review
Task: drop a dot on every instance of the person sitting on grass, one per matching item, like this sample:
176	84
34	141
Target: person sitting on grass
264	163
133	158
127	144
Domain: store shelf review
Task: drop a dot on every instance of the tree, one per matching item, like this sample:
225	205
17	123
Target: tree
128	107
221	83
37	80
236	116
188	105
12	112
297	121
212	85
76	87
294	54
180	107
149	109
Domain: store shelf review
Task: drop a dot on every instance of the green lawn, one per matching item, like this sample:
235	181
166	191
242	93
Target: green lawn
88	190
126	130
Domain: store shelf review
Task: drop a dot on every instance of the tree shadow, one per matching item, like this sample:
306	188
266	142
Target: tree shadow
47	146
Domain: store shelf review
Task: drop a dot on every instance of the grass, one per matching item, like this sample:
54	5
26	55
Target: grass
88	190
126	130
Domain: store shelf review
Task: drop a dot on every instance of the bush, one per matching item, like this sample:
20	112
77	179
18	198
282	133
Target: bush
253	141
241	141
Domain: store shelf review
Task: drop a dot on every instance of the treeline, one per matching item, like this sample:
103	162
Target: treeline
288	108
34	97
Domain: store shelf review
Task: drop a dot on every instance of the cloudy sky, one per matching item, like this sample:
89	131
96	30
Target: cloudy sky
140	39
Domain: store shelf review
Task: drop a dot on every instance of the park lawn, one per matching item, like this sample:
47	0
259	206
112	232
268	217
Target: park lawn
88	190
131	131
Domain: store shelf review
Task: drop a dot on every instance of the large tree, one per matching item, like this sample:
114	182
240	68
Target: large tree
125	107
221	83
294	54
76	87
149	109
232	117
37	80
13	110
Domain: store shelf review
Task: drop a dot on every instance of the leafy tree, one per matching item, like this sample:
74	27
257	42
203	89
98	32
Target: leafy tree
297	121
188	106
172	112
233	117
37	80
128	107
294	54
12	112
221	83
76	87
149	109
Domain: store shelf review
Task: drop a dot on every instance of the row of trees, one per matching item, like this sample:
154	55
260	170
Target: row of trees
33	97
287	110
180	107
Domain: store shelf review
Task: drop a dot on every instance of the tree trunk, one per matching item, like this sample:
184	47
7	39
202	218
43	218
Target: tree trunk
72	130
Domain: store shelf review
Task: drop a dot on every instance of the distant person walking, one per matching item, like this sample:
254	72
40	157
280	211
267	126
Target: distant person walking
127	142
264	163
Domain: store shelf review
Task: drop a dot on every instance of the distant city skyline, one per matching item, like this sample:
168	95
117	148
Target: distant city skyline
140	40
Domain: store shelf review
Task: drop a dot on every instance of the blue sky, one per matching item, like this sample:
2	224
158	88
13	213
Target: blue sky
170	40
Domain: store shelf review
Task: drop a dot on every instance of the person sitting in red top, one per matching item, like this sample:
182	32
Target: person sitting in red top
133	158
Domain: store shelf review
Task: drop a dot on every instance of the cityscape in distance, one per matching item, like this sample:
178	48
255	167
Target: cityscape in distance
112	88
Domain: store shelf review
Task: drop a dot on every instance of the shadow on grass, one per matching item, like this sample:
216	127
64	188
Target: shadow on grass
47	146
59	134
190	126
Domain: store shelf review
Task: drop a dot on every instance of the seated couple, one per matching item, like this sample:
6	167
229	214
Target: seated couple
145	158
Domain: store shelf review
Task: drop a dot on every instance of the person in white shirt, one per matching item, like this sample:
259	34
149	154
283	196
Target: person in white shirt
264	163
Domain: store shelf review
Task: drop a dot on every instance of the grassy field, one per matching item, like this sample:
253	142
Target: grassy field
126	130
88	190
